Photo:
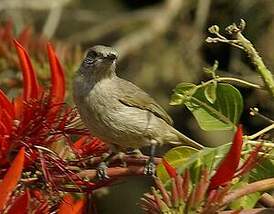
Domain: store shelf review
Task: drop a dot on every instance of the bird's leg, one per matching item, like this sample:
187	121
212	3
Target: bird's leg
102	167
150	165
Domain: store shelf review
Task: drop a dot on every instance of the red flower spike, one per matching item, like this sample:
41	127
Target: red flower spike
170	169
11	178
57	92
226	170
250	162
31	85
185	184
87	145
6	104
21	204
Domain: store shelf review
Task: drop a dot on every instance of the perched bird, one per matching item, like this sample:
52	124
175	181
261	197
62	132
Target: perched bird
117	111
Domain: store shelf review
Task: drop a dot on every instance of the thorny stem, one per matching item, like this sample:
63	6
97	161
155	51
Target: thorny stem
241	42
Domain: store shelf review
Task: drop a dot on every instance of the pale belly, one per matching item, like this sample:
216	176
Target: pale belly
115	123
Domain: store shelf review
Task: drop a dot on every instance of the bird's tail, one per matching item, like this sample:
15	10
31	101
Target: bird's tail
178	138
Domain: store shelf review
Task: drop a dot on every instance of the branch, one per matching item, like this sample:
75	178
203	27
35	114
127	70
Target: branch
114	172
267	200
257	186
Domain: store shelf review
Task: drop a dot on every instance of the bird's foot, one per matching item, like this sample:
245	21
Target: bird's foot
135	153
150	167
121	156
102	171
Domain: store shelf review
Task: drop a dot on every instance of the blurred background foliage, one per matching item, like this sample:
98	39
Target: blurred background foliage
161	43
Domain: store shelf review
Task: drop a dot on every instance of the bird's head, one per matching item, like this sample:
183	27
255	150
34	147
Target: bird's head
100	62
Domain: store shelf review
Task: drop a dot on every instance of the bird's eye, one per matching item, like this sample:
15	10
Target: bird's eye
92	54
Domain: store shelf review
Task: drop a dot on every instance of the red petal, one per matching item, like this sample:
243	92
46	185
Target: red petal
69	207
11	178
6	122
31	86
230	163
6	104
18	108
57	92
170	169
21	204
251	161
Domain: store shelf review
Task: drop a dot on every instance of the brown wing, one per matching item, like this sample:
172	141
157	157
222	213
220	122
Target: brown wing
133	96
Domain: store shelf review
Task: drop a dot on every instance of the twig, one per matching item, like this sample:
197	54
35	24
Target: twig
114	172
261	132
267	200
257	186
243	43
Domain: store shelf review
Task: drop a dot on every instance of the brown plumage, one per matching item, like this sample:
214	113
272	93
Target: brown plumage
117	111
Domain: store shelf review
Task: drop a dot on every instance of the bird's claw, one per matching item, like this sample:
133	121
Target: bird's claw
150	167
102	171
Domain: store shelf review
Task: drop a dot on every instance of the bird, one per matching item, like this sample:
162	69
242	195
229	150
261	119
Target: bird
117	111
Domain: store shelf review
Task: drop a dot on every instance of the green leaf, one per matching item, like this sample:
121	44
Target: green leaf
176	157
186	157
182	93
263	170
245	202
210	92
223	114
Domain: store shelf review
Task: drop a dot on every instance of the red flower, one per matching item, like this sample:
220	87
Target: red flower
87	145
11	179
229	167
37	117
170	169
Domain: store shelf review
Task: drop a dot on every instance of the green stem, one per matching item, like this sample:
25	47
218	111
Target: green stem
232	79
259	133
257	61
